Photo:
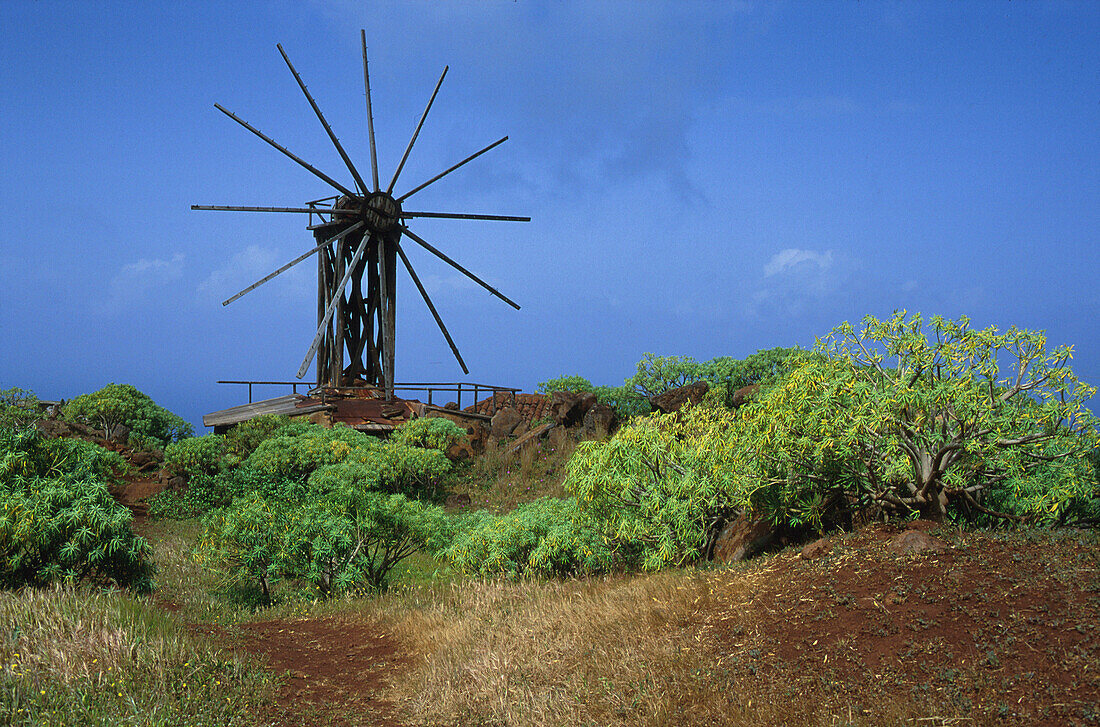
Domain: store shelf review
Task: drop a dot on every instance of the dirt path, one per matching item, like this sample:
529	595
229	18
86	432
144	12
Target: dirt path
337	668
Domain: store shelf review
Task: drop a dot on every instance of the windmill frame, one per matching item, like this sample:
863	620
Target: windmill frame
357	236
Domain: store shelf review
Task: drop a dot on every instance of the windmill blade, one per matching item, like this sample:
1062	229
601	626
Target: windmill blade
458	267
442	174
295	261
284	150
464	216
339	291
324	123
310	210
417	132
370	114
431	307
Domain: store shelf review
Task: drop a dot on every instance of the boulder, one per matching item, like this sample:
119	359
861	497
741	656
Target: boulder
54	428
600	420
144	460
569	407
915	542
743	537
743	395
451	406
177	484
671	400
504	422
120	434
816	549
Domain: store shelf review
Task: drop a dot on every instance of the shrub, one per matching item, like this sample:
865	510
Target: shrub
546	537
565	383
18	408
58	522
429	433
196	455
247	540
336	542
296	450
122	404
243	439
660	484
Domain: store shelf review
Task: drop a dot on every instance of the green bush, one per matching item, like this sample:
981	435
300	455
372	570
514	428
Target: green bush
243	439
565	383
18	408
429	433
58	522
122	404
296	450
546	537
196	455
337	542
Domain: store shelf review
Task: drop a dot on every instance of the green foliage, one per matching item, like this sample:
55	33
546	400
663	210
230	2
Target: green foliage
623	399
18	407
429	433
565	383
296	450
337	541
196	455
123	404
660	483
973	424
247	540
546	537
243	439
765	367
657	374
58	522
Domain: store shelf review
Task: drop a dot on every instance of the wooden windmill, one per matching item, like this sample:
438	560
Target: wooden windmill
358	242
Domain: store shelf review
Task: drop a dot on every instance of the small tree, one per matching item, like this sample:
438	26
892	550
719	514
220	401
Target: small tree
943	415
123	404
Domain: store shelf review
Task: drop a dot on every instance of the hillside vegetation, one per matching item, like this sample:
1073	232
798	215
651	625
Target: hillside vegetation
305	575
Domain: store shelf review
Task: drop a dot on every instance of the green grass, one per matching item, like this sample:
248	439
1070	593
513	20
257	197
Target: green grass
82	656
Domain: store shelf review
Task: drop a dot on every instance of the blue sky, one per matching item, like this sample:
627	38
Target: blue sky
704	179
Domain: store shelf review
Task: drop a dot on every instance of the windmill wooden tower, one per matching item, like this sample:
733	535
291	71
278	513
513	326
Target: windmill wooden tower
358	235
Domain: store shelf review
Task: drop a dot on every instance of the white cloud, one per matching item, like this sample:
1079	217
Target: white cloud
249	265
134	281
785	260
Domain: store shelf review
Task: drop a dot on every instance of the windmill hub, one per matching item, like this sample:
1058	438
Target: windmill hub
359	246
381	211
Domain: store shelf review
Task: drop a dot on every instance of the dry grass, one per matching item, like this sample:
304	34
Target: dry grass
500	481
740	645
83	656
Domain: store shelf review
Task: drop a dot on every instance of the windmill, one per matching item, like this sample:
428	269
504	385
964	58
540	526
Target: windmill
358	235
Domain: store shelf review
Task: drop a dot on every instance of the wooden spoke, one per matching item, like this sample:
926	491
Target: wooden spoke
300	210
295	261
324	123
444	173
431	307
417	132
420	241
463	216
370	114
317	172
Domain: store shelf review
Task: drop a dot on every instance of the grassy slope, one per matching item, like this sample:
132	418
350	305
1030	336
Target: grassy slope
1001	629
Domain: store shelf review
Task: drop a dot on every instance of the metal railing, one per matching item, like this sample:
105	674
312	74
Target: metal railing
456	387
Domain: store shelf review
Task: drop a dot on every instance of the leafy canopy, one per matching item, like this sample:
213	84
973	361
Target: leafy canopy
123	404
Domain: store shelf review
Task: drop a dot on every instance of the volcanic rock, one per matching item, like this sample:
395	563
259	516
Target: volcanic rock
671	400
743	537
569	407
505	422
915	542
